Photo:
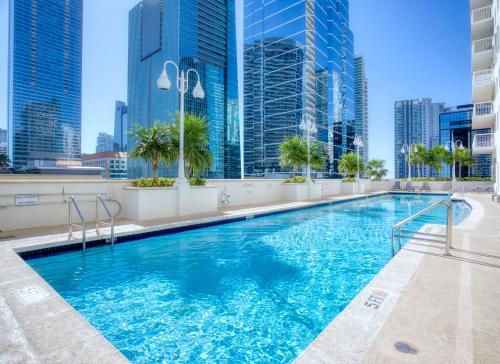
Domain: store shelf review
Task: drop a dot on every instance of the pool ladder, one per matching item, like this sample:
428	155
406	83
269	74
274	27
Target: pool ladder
398	232
73	205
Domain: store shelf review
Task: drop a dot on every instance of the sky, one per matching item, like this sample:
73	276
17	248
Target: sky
412	49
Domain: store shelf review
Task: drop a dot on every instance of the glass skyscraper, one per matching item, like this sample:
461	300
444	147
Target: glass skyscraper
415	122
121	127
361	104
455	124
45	74
298	59
197	34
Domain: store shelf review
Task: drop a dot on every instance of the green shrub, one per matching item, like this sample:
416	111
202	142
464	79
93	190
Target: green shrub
296	179
431	179
195	181
153	182
350	179
474	179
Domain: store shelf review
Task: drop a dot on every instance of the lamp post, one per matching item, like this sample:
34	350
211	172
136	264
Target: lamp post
309	127
452	146
407	149
182	84
358	142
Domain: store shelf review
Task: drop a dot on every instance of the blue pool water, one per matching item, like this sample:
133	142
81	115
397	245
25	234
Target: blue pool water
252	291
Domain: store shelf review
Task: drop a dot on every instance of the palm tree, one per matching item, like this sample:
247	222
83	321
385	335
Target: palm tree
440	154
350	164
154	144
418	156
293	154
464	158
375	169
196	152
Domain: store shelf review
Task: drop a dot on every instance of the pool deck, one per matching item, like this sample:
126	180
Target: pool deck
447	308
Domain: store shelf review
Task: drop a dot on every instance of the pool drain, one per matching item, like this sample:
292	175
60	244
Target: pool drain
405	347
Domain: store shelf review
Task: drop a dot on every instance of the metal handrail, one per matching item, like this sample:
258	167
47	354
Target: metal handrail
100	201
449	228
72	202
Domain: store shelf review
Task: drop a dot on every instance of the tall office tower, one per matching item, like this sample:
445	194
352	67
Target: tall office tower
45	74
298	60
197	34
3	142
361	104
415	122
455	127
121	127
105	143
484	36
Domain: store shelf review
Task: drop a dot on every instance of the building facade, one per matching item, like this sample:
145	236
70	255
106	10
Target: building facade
415	122
485	16
113	164
121	127
298	60
361	104
455	126
197	34
45	73
104	143
3	142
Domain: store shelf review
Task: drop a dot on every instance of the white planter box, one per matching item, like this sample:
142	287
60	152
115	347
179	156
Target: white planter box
150	203
352	188
197	199
300	191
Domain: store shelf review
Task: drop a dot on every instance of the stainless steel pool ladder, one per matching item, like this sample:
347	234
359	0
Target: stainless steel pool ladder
398	232
72	203
99	201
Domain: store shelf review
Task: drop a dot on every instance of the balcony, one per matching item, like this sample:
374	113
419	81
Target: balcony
483	116
483	143
483	86
482	54
476	4
482	25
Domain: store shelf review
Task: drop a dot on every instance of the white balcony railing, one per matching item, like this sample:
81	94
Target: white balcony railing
483	143
481	14
483	109
482	45
483	77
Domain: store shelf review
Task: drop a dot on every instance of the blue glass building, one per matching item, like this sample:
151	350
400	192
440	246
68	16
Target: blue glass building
121	127
455	124
45	74
298	59
197	34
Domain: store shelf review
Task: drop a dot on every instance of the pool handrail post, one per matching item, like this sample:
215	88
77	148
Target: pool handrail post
100	200
73	202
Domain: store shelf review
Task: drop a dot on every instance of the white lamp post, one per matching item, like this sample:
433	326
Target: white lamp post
407	149
182	84
358	142
452	146
309	127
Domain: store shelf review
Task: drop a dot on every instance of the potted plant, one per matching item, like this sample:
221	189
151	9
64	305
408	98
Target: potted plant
349	165
293	155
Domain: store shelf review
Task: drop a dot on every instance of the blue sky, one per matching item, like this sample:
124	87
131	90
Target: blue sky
413	49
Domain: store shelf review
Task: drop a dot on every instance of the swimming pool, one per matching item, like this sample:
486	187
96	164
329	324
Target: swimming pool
250	291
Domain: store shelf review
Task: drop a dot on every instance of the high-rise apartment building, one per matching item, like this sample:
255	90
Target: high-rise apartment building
105	143
298	60
415	122
485	16
455	127
45	73
3	142
121	127
197	34
361	104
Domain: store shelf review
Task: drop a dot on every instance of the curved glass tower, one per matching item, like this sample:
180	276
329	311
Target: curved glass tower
298	59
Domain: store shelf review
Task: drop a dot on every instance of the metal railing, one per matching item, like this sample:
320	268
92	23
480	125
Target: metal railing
72	203
483	77
482	45
398	232
99	201
483	109
483	140
481	14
